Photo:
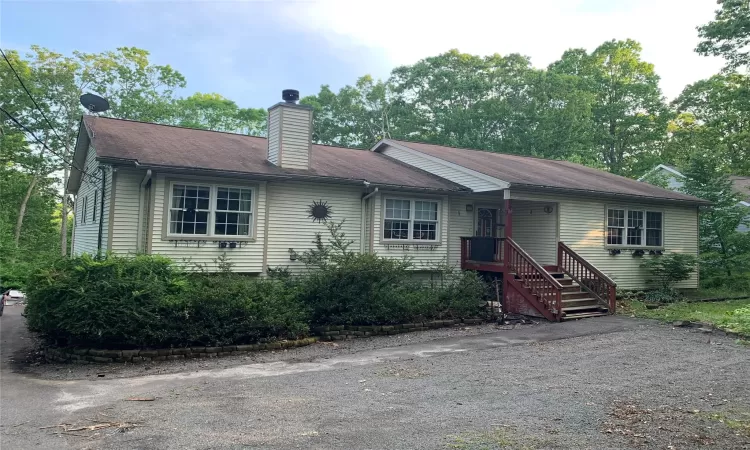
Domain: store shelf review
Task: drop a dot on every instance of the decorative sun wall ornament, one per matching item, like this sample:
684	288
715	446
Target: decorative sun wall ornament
319	211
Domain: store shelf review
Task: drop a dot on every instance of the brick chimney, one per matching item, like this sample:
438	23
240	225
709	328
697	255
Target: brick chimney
290	132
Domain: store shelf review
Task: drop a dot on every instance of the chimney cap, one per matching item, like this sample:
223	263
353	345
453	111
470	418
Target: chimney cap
290	95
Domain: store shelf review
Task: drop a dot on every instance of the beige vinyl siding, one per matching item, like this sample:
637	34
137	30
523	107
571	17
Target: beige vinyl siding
460	224
582	227
87	234
441	169
422	259
295	137
246	258
127	203
535	230
289	224
274	122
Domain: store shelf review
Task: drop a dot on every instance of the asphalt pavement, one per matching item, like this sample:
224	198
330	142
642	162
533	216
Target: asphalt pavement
548	386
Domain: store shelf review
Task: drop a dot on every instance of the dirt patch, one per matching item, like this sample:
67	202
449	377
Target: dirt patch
504	437
673	428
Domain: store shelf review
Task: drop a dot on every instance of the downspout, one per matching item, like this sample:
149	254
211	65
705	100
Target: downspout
101	211
139	242
362	217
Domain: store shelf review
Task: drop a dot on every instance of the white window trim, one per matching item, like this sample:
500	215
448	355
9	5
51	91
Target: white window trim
625	244
213	189
411	200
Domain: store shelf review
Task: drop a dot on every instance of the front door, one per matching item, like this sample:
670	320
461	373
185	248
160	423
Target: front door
486	222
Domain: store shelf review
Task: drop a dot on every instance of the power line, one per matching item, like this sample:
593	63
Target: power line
18	77
24	128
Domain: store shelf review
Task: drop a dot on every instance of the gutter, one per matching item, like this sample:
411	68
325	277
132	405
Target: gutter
146	179
273	177
101	211
686	201
362	217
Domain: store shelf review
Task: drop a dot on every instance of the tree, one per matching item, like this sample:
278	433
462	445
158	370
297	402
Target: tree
724	250
358	116
728	35
717	112
214	112
629	114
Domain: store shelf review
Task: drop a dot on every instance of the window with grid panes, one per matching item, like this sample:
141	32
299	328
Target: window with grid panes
634	227
210	210
410	219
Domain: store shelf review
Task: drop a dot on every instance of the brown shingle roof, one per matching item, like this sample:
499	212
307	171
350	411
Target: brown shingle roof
176	147
527	171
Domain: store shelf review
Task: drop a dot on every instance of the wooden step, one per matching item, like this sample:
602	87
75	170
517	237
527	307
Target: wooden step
582	307
574	294
580	302
584	315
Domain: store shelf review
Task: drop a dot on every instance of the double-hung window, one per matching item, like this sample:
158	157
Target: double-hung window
407	219
634	227
210	210
84	209
96	201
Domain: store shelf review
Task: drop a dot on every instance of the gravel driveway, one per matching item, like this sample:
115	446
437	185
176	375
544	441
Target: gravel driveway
602	383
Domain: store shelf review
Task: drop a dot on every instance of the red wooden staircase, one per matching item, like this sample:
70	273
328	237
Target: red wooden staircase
573	289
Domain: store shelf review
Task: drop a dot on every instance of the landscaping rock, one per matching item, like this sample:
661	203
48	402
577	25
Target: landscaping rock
681	323
149	353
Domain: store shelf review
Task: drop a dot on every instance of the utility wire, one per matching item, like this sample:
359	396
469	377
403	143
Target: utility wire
18	77
24	128
67	149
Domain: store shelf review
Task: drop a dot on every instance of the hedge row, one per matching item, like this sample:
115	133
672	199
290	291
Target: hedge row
148	301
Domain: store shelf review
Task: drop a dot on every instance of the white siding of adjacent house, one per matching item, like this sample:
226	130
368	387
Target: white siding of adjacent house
582	228
421	258
294	135
246	258
290	224
536	230
465	177
274	122
86	235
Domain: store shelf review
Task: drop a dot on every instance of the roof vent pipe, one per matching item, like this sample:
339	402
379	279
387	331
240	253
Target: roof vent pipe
290	95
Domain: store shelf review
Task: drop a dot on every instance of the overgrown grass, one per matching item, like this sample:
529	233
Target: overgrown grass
720	292
730	315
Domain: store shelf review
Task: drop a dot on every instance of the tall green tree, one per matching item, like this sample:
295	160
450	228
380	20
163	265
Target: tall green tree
728	35
629	113
356	116
725	252
214	112
716	111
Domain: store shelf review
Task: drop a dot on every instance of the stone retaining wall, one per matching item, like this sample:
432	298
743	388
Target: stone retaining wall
342	332
86	355
327	333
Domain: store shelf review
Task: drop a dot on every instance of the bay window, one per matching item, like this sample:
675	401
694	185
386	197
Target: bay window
407	219
205	210
634	227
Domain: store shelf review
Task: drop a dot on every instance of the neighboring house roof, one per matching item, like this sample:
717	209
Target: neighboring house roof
741	185
169	147
545	173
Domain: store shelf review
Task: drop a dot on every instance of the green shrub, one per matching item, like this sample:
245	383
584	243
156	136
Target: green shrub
366	289
668	270
146	301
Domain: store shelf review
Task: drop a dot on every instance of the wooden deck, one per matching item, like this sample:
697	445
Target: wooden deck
485	266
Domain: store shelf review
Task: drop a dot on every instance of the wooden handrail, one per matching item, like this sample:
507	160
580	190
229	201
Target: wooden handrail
587	264
534	277
588	277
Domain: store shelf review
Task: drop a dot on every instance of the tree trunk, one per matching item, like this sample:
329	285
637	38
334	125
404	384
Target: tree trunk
64	215
22	209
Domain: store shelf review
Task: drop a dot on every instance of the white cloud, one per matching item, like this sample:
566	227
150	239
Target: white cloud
408	30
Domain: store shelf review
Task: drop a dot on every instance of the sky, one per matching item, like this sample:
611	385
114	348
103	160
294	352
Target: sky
249	51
